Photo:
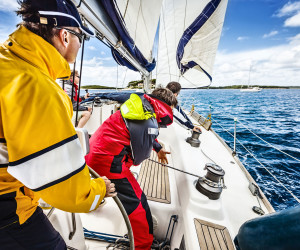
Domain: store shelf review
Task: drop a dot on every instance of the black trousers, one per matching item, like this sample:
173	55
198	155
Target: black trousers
37	233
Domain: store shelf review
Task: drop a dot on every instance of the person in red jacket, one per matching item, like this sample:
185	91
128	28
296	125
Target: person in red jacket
126	138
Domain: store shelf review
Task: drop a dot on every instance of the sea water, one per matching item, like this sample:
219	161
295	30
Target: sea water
274	116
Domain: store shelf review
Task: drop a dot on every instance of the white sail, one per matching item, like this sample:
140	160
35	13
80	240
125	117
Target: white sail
141	20
128	26
188	40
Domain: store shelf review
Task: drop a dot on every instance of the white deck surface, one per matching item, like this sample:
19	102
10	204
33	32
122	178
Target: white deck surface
232	209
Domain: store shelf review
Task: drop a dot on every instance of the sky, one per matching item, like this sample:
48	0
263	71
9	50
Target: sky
263	35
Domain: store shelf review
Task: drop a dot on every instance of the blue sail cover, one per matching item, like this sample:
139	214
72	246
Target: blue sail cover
122	60
190	32
114	13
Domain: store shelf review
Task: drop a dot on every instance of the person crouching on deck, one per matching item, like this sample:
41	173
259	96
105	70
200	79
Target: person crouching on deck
40	153
126	138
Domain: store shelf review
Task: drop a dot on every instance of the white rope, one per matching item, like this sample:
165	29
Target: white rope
260	163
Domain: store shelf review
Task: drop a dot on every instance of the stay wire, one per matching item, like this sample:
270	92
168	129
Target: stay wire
260	163
272	146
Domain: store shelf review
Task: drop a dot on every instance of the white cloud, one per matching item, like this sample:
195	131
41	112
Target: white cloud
8	5
91	48
102	53
272	33
242	38
96	73
278	65
289	9
293	21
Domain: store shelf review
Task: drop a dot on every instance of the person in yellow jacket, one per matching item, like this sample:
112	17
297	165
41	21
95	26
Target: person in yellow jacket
40	153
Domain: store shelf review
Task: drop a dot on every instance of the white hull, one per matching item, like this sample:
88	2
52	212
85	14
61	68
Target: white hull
255	89
231	210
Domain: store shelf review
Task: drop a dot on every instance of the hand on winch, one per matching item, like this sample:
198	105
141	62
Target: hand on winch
197	129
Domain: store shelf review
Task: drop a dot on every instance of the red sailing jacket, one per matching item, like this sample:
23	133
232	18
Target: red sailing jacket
110	152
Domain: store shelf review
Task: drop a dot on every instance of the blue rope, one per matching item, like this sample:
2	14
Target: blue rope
111	238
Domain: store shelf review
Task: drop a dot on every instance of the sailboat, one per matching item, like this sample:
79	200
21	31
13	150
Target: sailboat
204	197
250	88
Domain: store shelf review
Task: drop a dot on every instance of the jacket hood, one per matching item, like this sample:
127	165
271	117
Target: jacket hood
133	109
164	113
38	52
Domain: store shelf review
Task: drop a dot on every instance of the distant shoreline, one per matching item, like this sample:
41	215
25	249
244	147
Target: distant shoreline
211	87
245	87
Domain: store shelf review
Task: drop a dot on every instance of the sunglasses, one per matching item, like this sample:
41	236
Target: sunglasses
79	35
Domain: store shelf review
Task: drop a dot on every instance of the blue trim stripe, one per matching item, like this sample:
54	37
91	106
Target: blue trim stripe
3	165
113	11
60	180
191	31
29	157
192	64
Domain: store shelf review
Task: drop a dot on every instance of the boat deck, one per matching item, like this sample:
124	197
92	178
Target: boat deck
154	180
213	236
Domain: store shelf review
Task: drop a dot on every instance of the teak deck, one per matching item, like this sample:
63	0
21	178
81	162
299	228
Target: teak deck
154	180
213	236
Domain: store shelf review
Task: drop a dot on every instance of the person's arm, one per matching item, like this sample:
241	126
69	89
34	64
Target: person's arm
114	96
156	146
161	153
45	153
181	118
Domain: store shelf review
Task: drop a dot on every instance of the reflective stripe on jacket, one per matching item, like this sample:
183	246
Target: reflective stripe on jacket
40	154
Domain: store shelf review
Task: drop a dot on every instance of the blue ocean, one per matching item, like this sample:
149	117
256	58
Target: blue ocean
268	127
272	115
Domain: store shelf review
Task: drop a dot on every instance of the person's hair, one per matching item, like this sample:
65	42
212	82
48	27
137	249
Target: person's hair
165	95
175	87
76	73
47	32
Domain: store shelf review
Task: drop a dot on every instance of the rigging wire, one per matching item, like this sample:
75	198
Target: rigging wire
269	143
272	146
124	77
163	18
259	163
117	77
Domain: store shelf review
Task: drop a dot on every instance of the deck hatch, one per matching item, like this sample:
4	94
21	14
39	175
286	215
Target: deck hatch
213	236
154	180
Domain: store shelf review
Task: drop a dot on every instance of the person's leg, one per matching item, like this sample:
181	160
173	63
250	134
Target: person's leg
37	233
137	208
85	116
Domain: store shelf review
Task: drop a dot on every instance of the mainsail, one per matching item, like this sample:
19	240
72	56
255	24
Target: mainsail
189	35
127	26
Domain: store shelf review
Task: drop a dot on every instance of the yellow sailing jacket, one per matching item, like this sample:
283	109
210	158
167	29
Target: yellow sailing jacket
40	154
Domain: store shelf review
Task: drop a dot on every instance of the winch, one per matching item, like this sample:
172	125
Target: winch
193	140
212	184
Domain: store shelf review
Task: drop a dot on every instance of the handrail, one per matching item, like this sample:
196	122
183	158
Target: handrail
94	174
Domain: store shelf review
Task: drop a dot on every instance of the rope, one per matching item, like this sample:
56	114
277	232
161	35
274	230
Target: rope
260	163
